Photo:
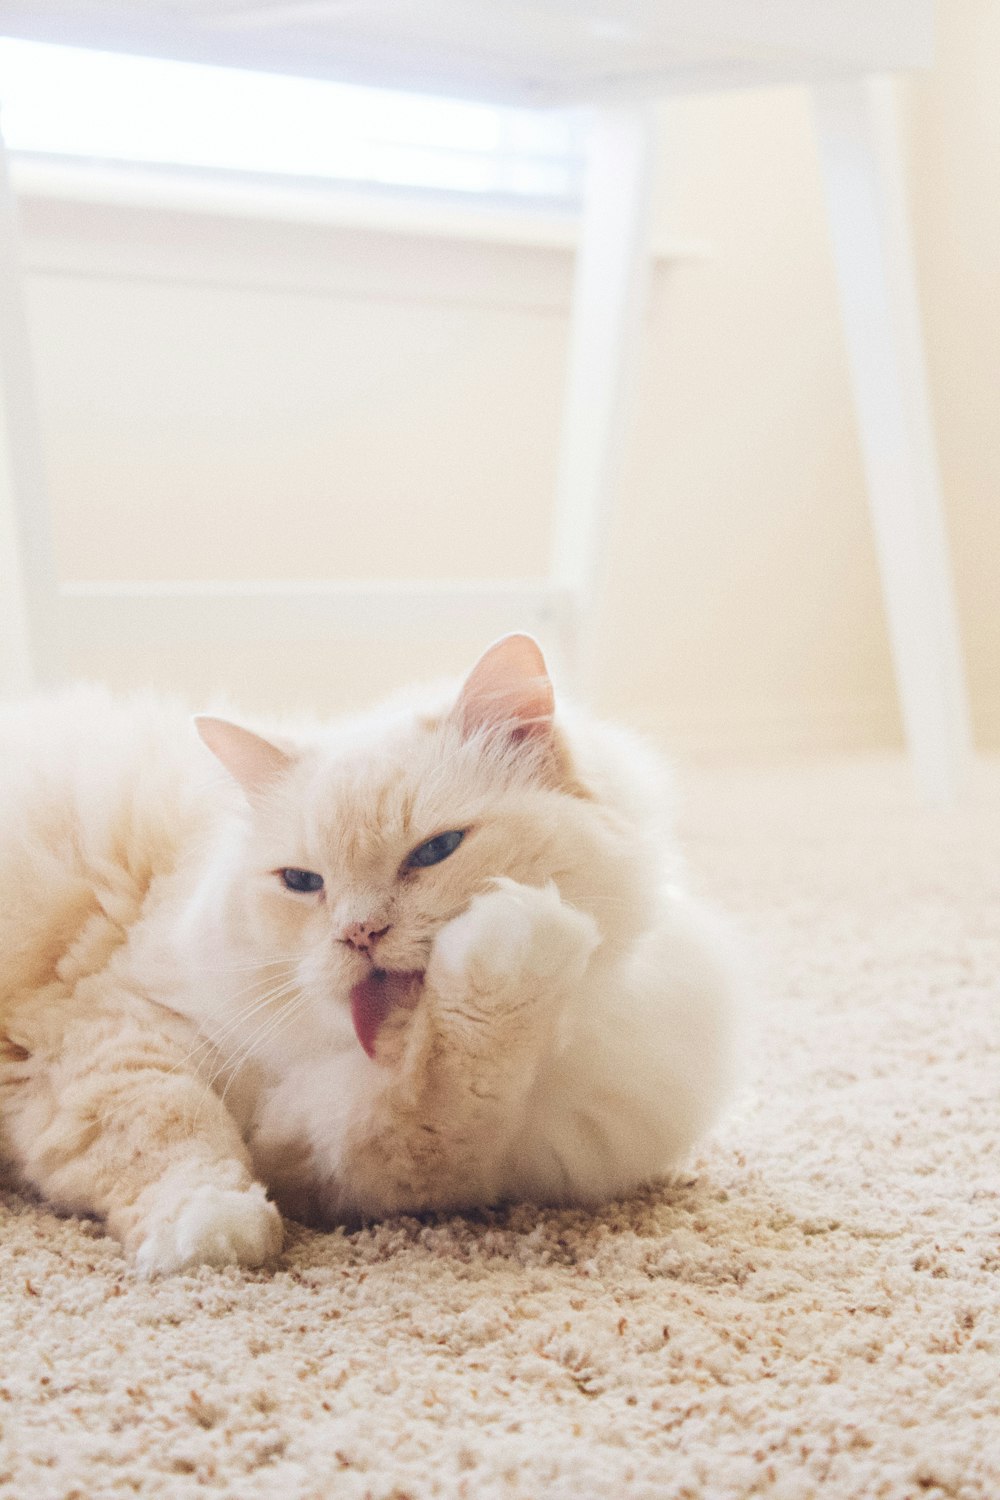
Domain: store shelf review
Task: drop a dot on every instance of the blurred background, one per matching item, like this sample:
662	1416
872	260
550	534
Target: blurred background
352	368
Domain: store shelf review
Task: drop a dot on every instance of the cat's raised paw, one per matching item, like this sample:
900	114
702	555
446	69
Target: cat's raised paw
212	1226
515	933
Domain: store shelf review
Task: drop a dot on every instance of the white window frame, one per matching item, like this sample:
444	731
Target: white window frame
67	144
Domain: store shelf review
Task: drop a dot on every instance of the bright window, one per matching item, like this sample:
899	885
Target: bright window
74	103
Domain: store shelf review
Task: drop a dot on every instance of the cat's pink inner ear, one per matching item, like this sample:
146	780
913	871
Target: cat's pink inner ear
508	685
251	760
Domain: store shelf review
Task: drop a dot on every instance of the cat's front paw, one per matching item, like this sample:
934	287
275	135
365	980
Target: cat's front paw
211	1226
517	937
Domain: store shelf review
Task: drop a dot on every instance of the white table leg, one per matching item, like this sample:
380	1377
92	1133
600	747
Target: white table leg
608	302
27	574
869	226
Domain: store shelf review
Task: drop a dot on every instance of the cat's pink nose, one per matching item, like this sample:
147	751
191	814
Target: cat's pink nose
362	936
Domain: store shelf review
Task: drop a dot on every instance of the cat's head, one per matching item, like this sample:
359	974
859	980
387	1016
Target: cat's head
361	842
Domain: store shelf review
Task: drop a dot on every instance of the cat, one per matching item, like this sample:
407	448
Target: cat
429	958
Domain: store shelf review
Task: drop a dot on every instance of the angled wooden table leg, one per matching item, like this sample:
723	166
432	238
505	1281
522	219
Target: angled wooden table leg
612	267
872	252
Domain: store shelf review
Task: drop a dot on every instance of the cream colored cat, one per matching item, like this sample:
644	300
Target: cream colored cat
426	958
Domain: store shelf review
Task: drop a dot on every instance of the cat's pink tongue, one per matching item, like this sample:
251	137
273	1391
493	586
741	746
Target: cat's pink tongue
374	997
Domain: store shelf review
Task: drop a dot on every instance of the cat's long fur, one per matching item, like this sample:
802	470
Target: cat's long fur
176	1025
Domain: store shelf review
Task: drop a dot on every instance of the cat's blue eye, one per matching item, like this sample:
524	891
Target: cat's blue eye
435	849
305	881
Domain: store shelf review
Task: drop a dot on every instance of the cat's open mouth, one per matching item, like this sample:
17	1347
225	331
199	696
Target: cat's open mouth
375	996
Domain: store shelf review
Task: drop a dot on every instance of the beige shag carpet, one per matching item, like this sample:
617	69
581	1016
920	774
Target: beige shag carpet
816	1313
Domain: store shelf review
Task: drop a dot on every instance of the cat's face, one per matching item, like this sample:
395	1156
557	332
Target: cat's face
402	832
358	849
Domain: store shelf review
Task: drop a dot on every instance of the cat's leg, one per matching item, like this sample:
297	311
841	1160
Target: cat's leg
104	1113
494	996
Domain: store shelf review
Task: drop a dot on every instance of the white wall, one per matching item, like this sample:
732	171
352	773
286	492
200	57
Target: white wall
954	119
226	398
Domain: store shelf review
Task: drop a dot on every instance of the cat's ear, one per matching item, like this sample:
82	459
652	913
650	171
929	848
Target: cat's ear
252	761
509	685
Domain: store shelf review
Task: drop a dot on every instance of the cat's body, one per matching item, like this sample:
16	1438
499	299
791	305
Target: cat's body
429	958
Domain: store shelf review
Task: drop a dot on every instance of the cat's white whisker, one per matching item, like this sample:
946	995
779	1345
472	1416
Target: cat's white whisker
229	997
219	1036
236	1023
253	964
253	1044
207	1044
266	1032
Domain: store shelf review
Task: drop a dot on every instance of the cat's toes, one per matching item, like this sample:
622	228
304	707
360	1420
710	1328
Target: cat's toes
514	933
212	1226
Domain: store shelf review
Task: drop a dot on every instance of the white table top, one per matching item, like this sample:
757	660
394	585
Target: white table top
518	51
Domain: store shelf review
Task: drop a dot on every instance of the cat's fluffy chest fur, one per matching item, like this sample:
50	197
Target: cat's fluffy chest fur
427	959
586	1119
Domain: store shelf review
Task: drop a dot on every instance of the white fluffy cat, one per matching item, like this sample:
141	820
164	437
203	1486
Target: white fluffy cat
426	958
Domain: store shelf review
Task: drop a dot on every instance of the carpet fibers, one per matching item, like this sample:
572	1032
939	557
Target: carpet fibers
815	1312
